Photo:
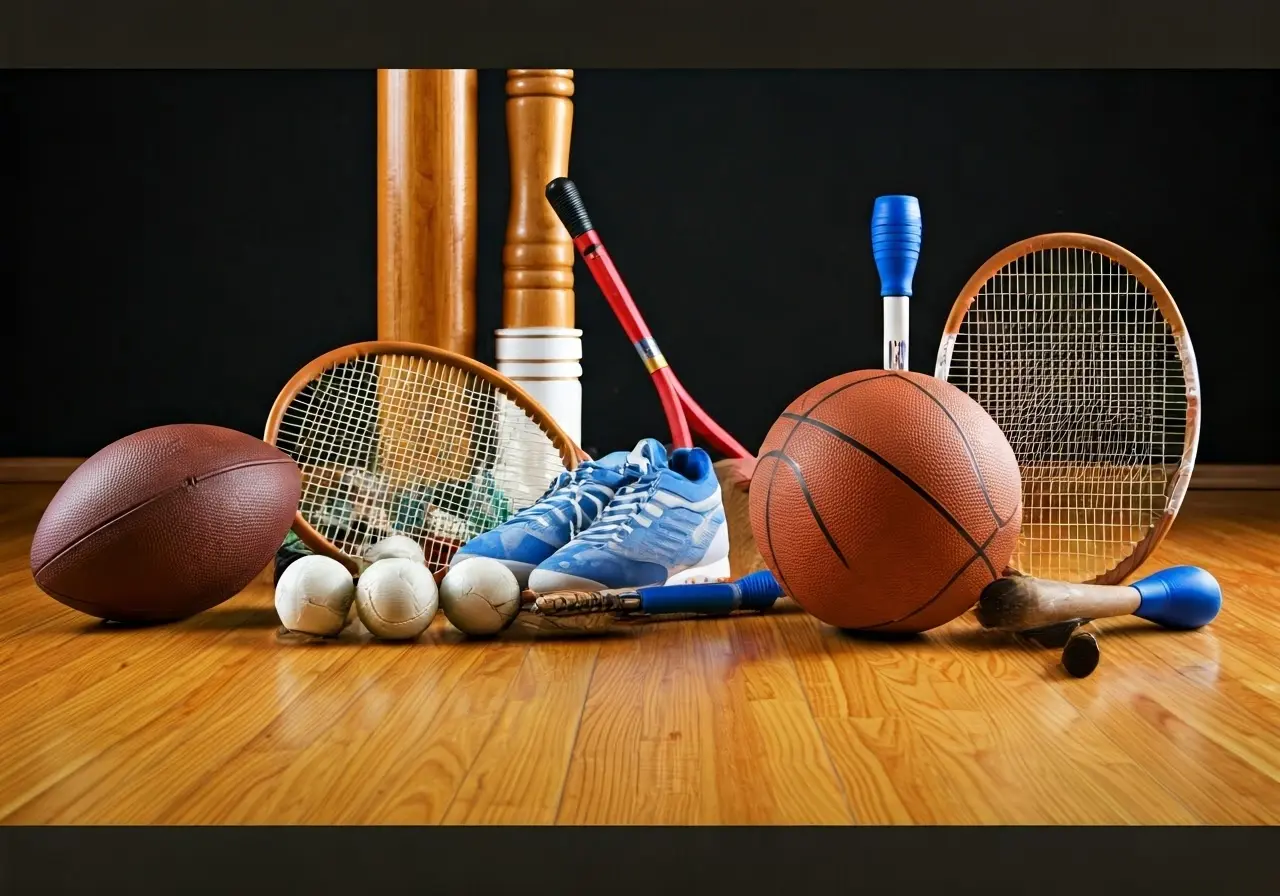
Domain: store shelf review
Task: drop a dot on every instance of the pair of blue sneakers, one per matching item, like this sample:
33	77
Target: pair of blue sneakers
627	520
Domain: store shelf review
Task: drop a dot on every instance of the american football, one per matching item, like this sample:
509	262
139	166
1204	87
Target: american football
165	523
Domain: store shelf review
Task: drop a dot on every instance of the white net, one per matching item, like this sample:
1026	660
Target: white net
1072	357
398	444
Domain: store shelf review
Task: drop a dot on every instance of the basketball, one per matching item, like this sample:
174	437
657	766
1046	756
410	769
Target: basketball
886	500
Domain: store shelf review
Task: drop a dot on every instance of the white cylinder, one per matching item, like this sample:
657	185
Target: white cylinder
547	363
896	329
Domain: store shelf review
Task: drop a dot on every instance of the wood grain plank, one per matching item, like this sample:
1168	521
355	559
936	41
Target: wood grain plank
192	739
923	735
415	760
770	760
61	721
520	773
752	719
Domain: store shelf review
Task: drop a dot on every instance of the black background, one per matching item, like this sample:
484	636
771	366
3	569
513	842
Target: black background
176	244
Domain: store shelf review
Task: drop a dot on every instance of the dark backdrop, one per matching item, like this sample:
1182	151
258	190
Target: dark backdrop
176	244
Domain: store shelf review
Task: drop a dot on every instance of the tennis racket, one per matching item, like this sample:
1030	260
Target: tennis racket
1078	351
678	407
895	245
398	438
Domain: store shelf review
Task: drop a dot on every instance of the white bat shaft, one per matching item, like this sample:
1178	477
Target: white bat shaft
1060	601
896	328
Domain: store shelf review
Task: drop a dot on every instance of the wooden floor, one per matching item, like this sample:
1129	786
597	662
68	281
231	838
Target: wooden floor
769	719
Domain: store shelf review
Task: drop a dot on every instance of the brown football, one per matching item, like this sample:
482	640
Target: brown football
165	523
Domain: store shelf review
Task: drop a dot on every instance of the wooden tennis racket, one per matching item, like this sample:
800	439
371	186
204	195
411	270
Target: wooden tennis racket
1078	351
398	438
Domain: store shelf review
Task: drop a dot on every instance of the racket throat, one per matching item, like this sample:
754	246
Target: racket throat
896	327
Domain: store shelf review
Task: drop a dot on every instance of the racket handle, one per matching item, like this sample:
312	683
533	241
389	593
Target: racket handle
756	591
895	242
562	193
1180	597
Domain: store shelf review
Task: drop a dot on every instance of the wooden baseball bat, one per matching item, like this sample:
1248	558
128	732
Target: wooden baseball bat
1181	597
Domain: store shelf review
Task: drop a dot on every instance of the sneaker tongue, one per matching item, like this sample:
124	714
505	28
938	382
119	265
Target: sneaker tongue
610	470
691	463
649	451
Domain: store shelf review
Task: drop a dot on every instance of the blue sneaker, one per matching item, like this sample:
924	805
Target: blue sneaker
666	527
572	503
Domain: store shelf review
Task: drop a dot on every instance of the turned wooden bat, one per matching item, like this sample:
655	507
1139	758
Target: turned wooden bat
1181	597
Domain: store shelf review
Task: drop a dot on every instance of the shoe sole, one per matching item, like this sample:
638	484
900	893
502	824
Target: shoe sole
710	572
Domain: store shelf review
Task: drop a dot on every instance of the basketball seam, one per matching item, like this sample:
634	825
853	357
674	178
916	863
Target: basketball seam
768	495
964	440
808	499
768	518
943	590
834	392
780	454
910	483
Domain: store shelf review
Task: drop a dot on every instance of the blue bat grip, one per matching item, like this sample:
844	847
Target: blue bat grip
756	591
1182	597
895	242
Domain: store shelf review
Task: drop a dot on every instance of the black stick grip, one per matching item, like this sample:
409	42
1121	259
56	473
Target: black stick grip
564	198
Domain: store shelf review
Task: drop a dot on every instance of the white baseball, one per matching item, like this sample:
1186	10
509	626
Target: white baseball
395	546
314	595
480	596
396	599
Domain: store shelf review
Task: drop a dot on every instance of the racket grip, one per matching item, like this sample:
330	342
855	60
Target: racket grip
562	193
756	591
895	242
1180	597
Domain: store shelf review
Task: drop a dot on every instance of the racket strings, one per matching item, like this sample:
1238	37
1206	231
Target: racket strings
1072	357
394	444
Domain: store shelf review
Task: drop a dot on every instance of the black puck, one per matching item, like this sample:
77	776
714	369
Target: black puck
1080	656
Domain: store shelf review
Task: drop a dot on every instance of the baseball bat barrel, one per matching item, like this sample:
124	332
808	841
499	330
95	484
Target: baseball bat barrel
896	229
1181	597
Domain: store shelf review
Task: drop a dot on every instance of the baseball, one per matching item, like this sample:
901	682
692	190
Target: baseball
480	596
396	599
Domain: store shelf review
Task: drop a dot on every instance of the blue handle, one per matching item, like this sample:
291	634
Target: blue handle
1179	597
895	242
756	591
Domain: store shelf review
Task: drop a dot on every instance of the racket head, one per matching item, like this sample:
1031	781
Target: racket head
1077	349
401	438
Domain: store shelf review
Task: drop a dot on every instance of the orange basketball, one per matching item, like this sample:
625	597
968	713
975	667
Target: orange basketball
886	500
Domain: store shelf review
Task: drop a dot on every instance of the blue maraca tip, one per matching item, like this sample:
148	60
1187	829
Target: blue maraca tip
1182	597
896	206
895	242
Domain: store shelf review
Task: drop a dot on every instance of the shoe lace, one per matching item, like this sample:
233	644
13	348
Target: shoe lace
564	498
619	516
